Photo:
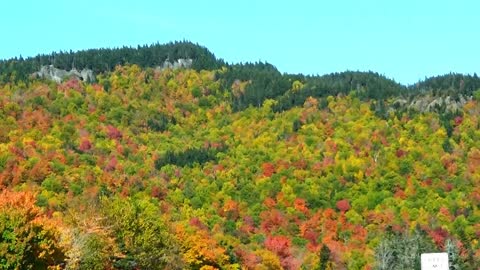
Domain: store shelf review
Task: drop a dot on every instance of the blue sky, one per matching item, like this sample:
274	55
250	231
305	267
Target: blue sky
405	40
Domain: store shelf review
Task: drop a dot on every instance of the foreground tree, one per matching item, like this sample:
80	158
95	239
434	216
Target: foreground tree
29	240
140	234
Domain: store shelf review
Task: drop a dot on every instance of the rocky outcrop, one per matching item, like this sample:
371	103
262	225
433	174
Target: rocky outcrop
429	103
58	75
179	63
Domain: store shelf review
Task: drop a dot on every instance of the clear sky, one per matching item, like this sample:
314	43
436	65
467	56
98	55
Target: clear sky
405	40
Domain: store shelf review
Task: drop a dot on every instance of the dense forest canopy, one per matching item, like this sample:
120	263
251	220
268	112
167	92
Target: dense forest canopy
265	78
104	60
233	166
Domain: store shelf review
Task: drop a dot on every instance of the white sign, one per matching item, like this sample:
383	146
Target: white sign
434	261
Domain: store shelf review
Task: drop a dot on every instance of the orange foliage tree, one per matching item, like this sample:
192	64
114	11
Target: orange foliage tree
28	239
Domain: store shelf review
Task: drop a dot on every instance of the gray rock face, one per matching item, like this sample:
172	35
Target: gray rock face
180	63
58	75
429	103
87	75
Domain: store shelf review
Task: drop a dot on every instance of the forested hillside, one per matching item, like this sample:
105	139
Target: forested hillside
233	166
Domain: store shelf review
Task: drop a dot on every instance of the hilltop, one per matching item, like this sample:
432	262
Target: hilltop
265	80
170	158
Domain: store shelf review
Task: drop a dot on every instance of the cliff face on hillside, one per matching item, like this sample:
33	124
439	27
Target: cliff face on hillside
179	63
58	75
428	103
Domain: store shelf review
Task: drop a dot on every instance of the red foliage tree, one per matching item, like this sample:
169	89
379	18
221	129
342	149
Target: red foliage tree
268	169
72	83
248	225
301	205
343	205
400	153
269	202
458	120
300	164
439	235
39	171
196	222
112	164
280	245
271	220
85	145
158	192
249	260
113	132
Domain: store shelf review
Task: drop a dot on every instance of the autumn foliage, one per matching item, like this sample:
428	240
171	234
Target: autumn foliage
201	170
29	238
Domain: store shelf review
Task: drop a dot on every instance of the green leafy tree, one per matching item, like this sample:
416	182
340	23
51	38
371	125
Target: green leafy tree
27	240
141	234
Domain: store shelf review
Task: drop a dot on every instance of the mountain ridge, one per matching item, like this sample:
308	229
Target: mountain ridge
105	59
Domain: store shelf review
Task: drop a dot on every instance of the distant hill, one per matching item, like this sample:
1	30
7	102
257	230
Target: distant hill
452	83
266	80
105	60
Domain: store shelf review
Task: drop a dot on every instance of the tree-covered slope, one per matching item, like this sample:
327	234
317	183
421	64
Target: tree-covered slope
239	167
